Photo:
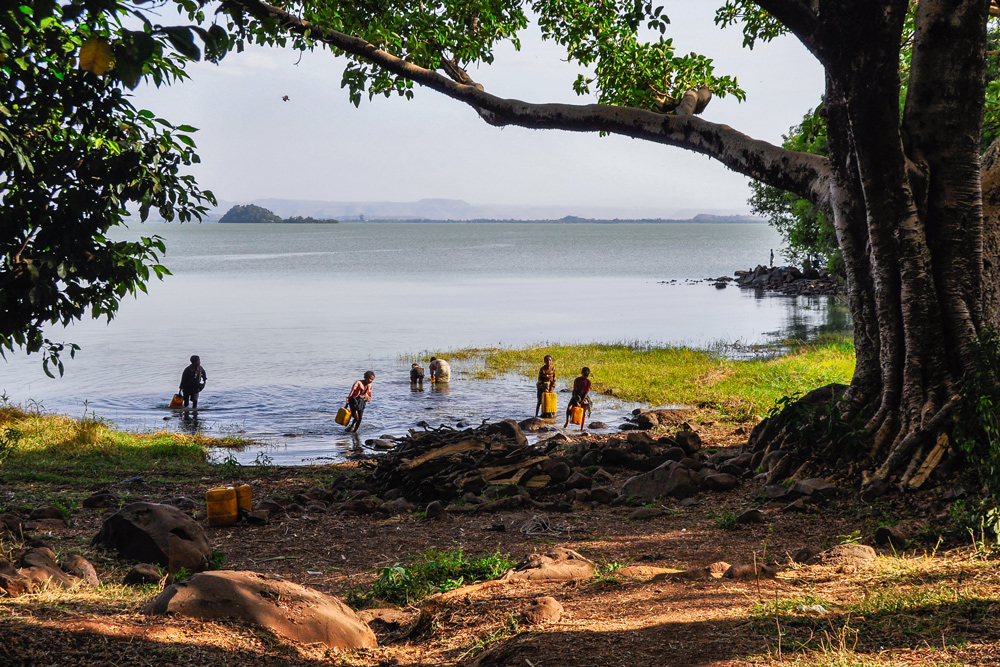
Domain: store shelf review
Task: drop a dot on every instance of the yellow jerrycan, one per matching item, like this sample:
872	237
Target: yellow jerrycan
222	507
549	401
244	498
343	416
576	416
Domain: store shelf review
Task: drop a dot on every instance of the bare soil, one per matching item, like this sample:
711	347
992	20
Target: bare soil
935	603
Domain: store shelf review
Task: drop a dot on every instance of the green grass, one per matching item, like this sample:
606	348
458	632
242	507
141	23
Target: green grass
51	448
738	391
432	572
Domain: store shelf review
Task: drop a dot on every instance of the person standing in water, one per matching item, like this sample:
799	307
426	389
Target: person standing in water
581	397
546	381
440	370
358	399
193	381
416	374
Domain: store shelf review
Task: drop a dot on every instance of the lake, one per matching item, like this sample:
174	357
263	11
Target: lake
286	317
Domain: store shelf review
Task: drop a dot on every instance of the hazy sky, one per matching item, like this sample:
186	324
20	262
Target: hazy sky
318	146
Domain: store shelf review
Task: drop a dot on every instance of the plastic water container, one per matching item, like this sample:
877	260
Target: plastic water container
549	401
222	506
244	497
576	416
343	416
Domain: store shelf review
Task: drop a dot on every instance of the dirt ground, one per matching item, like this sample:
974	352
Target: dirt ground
936	603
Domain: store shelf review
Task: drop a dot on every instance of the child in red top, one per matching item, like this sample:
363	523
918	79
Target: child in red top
357	400
581	397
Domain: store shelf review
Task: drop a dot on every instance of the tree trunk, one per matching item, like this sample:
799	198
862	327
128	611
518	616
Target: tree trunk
907	206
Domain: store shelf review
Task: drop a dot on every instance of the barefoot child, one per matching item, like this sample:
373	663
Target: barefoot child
357	400
581	397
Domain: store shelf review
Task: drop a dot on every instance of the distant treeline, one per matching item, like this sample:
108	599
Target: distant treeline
257	214
574	220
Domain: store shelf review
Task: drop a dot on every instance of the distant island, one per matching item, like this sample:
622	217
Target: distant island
252	213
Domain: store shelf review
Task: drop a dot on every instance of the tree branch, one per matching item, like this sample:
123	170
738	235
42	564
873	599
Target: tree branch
804	174
799	16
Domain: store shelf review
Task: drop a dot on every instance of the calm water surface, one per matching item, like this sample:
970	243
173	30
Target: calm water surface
286	317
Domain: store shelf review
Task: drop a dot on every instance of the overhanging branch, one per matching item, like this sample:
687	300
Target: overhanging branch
802	173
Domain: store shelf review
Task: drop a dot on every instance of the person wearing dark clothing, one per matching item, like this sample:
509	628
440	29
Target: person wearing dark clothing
581	397
193	381
358	399
416	374
546	381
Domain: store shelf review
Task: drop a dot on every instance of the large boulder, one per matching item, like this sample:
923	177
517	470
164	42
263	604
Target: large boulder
509	430
153	533
558	564
666	417
287	609
670	479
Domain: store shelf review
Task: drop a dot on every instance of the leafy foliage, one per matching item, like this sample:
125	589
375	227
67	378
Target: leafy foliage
977	422
432	572
75	153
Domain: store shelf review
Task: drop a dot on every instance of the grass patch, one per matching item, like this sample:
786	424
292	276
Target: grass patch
53	448
432	572
738	390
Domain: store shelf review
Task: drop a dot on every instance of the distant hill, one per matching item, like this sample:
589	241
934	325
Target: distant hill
249	213
705	217
442	210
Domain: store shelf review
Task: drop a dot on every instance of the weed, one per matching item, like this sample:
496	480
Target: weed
510	627
216	560
853	537
432	572
182	574
724	520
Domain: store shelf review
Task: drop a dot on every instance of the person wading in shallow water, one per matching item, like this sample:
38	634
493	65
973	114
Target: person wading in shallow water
581	397
193	381
357	400
546	382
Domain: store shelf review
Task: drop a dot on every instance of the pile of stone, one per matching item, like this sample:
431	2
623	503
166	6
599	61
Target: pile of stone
789	280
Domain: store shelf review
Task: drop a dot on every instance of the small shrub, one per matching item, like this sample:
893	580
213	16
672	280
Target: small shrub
724	520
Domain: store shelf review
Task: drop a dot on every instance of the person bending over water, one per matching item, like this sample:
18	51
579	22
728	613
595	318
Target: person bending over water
546	382
416	374
440	370
581	397
193	381
357	400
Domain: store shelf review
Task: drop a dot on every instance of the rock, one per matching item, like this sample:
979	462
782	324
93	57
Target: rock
510	430
533	424
690	463
674	454
797	506
558	564
720	482
646	513
694	574
776	492
816	488
663	481
316	508
731	468
258	518
143	573
100	499
844	554
404	506
290	610
542	610
434	510
558	471
689	440
271	506
40	565
152	533
743	460
954	492
12	582
805	554
741	572
597	425
295	508
80	567
639	441
603	495
382	445
891	536
667	417
718	568
579	481
602	476
183	503
689	502
750	516
592	458
12	523
45	512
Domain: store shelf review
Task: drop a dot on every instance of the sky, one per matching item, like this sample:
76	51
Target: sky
318	146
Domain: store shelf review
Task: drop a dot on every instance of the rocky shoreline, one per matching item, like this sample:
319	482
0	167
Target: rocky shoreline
786	280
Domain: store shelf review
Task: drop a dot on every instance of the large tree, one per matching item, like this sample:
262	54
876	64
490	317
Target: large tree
902	188
76	158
